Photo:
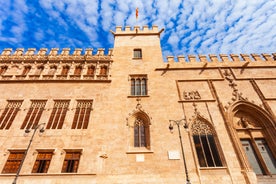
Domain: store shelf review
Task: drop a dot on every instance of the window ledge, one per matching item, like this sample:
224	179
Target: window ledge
212	168
139	151
137	96
138	58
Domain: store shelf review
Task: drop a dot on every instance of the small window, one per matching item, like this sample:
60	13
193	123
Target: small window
78	70
53	69
39	70
65	70
42	162
13	162
3	69
71	162
26	70
91	70
103	70
138	86
137	53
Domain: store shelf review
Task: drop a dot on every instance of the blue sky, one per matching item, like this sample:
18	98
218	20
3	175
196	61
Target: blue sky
191	27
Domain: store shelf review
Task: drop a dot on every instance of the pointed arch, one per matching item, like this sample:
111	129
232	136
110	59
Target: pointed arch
206	143
253	133
139	124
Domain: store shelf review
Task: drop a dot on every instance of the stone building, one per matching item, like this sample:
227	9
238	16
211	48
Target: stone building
106	115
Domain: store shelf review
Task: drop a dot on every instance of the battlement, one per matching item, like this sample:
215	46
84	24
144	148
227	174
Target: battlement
223	60
137	30
31	53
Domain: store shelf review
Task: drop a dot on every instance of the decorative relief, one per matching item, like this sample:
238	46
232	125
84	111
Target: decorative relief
192	95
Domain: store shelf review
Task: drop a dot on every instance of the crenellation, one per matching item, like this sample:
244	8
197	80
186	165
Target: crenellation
213	58
77	52
235	57
192	58
202	58
89	52
65	52
19	52
224	57
170	59
110	52
30	52
267	57
246	57
224	60
181	59
6	52
42	52
136	30
100	52
53	52
256	57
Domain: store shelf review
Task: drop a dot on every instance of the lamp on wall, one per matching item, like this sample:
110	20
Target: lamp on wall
41	130
185	126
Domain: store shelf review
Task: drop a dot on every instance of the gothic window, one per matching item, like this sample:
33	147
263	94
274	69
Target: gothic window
82	114
26	70
3	69
141	132
58	114
205	144
65	70
138	86
137	53
78	70
42	162
71	162
33	115
13	162
255	145
91	70
9	113
103	70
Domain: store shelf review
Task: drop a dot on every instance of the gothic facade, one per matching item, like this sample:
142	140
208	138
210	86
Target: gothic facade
127	116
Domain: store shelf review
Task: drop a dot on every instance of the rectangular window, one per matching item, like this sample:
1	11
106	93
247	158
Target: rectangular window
137	53
9	113
206	150
71	162
33	115
13	162
65	70
42	162
82	114
26	70
58	114
78	70
138	85
3	69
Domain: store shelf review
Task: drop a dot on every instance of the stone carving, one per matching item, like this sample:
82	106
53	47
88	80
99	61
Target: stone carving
192	95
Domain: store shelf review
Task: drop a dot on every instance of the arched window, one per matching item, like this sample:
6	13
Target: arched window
91	70
78	70
65	70
39	69
252	131
52	70
139	124
206	144
103	70
3	69
138	85
26	70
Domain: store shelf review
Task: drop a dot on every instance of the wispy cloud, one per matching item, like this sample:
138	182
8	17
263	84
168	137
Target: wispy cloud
204	27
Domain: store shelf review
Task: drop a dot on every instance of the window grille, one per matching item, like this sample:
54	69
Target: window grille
13	162
42	162
137	53
138	86
82	114
71	162
9	113
58	114
205	145
34	114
